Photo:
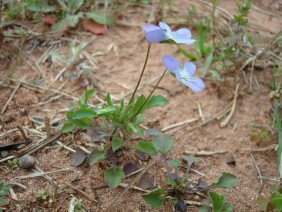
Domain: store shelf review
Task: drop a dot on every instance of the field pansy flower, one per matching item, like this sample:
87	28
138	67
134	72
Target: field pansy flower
185	74
162	33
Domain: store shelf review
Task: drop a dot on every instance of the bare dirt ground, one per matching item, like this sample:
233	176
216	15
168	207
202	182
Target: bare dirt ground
118	57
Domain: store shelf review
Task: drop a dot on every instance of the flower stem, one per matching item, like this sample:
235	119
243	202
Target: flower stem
142	72
155	87
167	167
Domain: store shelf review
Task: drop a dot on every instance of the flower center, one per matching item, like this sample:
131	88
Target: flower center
183	75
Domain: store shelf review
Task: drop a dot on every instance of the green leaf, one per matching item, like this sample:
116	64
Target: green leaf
100	17
173	200
188	55
155	198
170	182
83	101
109	100
139	103
72	20
163	143
226	180
208	62
40	7
95	156
60	26
67	127
215	75
217	201
4	189
228	207
262	203
75	5
81	46
114	176
71	50
276	199
2	201
156	101
121	105
175	163
63	4
279	155
126	111
106	110
138	120
204	208
82	123
84	113
146	147
278	123
116	144
139	132
55	54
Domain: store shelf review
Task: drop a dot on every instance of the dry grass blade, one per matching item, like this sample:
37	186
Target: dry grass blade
82	192
187	121
225	122
11	96
205	153
256	166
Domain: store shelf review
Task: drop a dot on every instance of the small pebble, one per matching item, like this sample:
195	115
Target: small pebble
26	162
4	153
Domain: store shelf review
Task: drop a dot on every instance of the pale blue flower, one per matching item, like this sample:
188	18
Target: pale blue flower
163	33
185	74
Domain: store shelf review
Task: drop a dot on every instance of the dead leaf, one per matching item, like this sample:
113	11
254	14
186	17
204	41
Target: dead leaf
91	26
78	157
129	168
49	19
146	181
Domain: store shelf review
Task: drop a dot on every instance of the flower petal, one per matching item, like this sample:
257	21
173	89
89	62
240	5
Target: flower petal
171	64
189	69
156	36
195	83
165	27
150	27
182	36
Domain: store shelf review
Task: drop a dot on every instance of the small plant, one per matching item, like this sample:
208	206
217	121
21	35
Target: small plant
70	15
12	164
42	194
274	203
122	121
3	192
63	14
72	59
118	123
261	135
218	56
182	186
78	207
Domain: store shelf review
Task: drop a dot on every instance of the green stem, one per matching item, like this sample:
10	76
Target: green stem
155	87
141	75
167	167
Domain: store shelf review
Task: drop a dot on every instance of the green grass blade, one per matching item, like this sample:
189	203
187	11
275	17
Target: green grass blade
279	155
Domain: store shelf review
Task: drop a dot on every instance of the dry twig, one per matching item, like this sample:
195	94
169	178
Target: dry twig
82	192
225	122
